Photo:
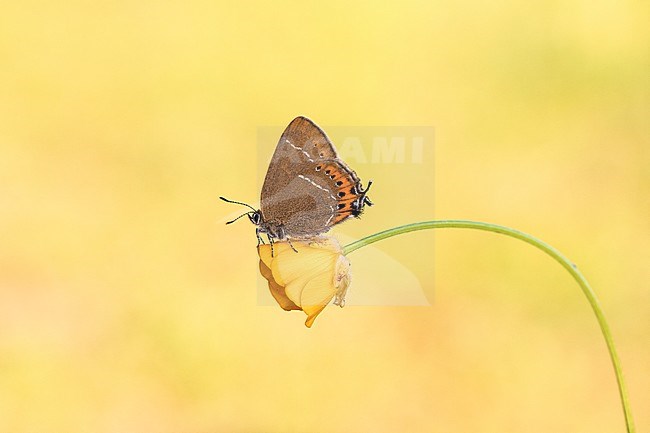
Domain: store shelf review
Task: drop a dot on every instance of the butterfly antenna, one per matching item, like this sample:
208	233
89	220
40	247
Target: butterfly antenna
244	214
237	202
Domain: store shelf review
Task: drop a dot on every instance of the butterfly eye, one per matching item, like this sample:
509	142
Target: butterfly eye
255	217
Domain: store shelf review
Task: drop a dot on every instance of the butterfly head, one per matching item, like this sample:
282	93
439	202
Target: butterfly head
255	217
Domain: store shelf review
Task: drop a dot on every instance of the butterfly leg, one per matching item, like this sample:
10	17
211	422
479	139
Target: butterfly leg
271	243
260	241
283	235
291	245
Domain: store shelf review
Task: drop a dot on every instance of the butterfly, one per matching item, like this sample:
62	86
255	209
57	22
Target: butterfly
307	189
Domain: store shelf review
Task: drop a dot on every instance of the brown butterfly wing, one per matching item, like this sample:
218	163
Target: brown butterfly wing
304	135
301	142
307	189
306	207
301	145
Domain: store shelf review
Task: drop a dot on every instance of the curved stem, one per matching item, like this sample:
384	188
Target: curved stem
555	254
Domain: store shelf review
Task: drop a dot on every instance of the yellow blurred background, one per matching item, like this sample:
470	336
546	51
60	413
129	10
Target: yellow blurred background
127	306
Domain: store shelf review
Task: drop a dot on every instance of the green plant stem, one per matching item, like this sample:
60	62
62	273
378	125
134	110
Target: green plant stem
559	257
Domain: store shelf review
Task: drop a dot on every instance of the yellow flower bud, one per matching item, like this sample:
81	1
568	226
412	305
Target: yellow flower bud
308	279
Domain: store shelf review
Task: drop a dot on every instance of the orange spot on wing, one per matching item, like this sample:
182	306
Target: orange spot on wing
344	183
341	215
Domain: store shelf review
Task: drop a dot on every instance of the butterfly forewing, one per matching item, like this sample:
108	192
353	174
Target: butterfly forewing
304	135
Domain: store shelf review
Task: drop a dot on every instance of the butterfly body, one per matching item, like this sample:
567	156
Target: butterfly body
307	188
